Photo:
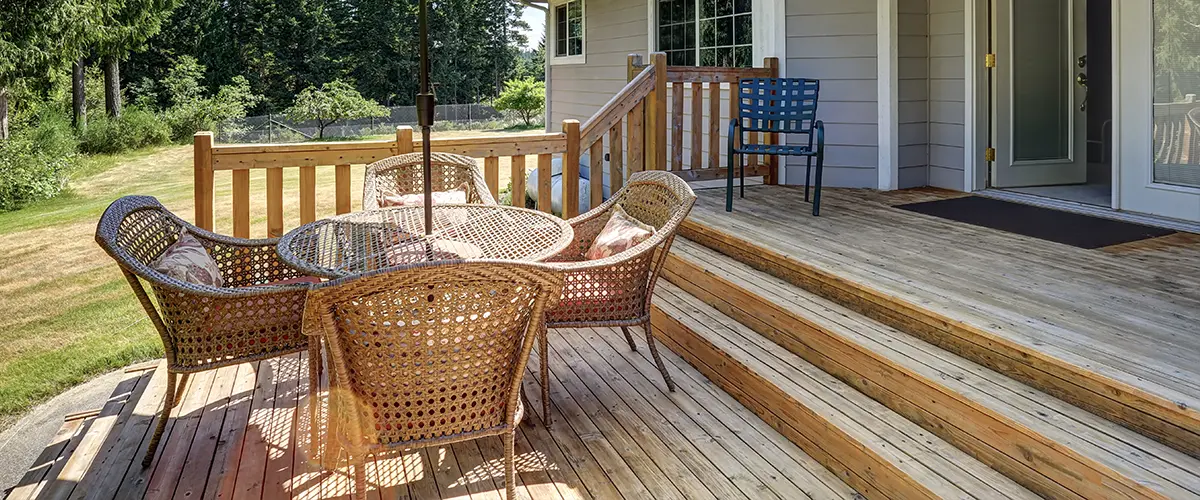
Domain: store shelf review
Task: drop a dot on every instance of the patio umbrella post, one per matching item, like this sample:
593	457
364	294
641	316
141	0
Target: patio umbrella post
425	105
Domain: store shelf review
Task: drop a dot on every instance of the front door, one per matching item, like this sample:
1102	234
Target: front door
1039	106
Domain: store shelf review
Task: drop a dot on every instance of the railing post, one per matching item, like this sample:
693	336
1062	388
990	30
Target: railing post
633	65
772	64
404	139
656	115
202	184
570	170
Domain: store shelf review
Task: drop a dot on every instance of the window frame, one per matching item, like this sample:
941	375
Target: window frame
552	24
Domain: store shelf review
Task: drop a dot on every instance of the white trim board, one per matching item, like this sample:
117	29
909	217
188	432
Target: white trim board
888	81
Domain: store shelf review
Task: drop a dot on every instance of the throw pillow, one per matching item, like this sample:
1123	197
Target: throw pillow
620	233
453	196
188	260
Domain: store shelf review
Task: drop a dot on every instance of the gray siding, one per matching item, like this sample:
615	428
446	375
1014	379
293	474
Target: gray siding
835	41
913	112
613	29
946	96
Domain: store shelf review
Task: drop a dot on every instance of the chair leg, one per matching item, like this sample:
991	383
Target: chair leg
510	458
742	179
662	368
360	478
629	338
179	388
733	157
314	395
544	353
817	196
162	420
807	176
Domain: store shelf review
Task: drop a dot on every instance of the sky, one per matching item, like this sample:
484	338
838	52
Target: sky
537	25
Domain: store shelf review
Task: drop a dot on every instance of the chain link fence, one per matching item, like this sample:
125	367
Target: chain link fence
276	128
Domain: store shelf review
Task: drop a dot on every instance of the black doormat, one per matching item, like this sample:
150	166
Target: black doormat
1083	231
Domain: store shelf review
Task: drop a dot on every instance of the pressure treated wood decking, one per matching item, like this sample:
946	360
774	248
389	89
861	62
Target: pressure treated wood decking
241	432
1113	330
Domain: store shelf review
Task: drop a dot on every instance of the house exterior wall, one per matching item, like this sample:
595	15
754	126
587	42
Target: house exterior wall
946	93
835	41
913	106
613	29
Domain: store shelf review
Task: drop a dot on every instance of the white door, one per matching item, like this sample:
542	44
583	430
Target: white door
1157	99
1040	132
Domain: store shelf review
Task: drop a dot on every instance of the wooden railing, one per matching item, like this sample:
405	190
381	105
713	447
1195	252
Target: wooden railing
706	156
629	106
634	123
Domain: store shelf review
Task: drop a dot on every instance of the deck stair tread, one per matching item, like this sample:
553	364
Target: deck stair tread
935	465
1033	433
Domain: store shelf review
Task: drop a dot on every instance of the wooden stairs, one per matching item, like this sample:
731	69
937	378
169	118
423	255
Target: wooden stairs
893	415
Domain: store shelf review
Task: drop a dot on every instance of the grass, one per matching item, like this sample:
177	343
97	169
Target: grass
68	312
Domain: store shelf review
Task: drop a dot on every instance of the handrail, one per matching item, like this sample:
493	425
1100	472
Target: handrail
619	106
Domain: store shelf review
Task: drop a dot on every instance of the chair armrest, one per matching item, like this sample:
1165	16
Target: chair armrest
734	124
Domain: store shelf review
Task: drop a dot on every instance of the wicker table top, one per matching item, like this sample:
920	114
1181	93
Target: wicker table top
361	242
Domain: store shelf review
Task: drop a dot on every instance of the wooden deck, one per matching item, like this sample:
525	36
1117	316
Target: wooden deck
1112	330
240	433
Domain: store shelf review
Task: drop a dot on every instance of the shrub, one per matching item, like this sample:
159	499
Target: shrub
192	111
525	96
136	128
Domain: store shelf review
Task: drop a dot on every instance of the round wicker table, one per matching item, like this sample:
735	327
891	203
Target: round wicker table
361	242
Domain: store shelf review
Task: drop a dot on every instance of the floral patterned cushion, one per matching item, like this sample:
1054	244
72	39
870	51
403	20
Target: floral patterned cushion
456	195
188	260
620	233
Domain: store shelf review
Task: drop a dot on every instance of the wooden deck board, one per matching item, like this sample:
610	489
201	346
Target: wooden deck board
1110	330
241	432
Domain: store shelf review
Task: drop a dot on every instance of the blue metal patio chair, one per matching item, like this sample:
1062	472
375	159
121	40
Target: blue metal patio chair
783	106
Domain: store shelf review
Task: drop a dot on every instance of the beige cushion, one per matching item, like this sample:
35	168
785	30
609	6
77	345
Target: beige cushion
188	260
456	195
620	233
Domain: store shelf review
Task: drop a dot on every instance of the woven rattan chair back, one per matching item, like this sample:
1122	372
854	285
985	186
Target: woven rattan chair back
404	174
430	354
205	327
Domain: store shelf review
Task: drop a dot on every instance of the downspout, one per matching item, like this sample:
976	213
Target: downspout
545	60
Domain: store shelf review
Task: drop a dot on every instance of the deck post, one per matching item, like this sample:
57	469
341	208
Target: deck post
570	170
404	139
656	115
202	183
633	66
772	64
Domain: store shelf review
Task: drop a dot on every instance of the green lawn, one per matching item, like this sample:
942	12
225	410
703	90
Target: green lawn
67	312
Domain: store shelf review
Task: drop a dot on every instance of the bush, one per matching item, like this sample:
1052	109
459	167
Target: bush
136	128
192	111
526	97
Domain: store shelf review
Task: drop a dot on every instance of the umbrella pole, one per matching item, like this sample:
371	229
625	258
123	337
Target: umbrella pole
425	106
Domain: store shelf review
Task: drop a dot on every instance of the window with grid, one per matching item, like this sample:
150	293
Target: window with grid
706	32
568	32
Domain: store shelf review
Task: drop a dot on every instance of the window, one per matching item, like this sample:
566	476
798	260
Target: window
1176	87
568	29
706	32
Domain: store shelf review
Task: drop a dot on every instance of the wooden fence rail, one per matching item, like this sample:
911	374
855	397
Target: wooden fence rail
639	104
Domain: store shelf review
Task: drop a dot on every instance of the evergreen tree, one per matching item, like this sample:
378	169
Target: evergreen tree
125	26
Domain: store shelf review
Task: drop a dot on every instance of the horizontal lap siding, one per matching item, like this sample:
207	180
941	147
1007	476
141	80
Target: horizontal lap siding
835	41
913	112
946	93
613	30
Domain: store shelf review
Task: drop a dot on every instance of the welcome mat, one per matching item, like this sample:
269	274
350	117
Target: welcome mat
1083	231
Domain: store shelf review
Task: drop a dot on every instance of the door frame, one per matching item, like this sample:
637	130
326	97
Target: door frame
979	124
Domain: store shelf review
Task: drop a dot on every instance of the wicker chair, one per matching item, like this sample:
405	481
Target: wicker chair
616	291
429	354
205	327
402	175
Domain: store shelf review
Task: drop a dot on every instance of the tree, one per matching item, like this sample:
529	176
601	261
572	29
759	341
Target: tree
526	97
333	102
125	26
192	109
38	38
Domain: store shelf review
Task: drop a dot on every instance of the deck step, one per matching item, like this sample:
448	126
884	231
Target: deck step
1049	446
872	448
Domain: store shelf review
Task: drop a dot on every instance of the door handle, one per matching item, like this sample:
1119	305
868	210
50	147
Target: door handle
1082	80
